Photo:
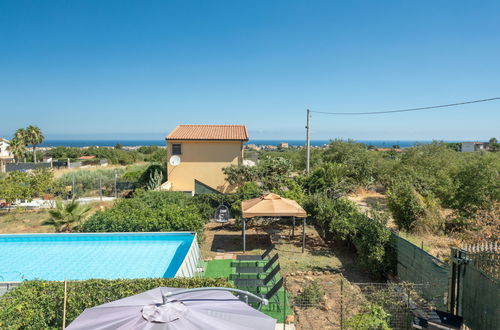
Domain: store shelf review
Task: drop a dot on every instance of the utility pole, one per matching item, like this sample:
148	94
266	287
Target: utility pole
308	143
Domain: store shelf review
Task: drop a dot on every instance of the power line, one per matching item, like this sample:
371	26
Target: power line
406	110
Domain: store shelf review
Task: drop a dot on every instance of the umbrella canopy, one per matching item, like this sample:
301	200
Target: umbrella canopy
272	205
185	311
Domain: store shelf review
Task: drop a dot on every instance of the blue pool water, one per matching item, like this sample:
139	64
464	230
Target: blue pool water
55	257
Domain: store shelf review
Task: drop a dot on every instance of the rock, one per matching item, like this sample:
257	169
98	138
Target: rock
290	319
329	305
308	278
309	272
291	274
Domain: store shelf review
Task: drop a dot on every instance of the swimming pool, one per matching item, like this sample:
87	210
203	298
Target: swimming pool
55	257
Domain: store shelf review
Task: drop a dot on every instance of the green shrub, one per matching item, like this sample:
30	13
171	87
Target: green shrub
39	304
406	205
148	212
478	185
371	317
134	172
334	216
332	179
341	219
208	203
311	295
355	156
294	191
414	212
372	240
148	176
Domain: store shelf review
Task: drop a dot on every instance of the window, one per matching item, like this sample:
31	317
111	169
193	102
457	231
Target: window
176	149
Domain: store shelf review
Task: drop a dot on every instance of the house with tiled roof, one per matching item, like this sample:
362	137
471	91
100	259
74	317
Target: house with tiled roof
5	155
196	155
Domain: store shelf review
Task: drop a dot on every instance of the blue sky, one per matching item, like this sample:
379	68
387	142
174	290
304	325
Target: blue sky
135	69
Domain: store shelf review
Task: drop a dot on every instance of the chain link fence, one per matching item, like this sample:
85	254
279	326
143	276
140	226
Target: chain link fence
339	304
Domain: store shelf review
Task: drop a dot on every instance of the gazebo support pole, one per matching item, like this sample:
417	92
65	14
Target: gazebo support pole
244	236
303	235
293	228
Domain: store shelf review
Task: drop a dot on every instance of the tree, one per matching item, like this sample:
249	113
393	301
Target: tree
67	216
21	134
494	145
15	186
34	136
331	179
118	146
18	148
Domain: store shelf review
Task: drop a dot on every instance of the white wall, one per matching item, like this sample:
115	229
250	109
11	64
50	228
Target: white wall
3	149
468	146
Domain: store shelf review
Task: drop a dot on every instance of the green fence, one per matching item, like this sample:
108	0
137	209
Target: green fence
480	299
478	280
417	266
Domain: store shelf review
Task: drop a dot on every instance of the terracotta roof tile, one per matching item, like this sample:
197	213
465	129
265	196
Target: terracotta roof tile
209	132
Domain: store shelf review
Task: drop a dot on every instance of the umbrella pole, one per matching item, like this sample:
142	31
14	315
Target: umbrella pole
303	235
293	228
244	236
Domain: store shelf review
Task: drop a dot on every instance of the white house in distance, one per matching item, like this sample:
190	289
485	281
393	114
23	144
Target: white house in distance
5	155
473	146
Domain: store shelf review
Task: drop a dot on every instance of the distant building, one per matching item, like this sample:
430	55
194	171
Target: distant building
473	146
5	155
269	147
283	145
202	152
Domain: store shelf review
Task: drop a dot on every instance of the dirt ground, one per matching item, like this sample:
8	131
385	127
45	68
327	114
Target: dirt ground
333	306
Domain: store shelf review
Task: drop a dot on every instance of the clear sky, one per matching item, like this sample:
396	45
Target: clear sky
135	69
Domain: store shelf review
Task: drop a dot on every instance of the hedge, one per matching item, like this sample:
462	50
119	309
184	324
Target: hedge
148	211
39	304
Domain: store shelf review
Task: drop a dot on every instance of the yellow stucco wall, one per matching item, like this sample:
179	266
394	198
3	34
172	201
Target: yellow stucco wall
203	161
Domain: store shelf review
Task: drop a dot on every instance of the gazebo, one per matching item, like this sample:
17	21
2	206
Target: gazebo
272	205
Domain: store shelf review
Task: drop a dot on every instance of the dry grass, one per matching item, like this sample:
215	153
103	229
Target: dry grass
60	172
23	221
318	255
18	221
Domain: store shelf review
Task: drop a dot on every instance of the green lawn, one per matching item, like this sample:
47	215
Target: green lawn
222	268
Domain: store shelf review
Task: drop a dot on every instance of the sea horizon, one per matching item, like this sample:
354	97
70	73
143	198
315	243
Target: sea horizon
80	143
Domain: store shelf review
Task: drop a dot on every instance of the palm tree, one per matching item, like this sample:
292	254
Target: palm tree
17	148
21	135
66	216
34	136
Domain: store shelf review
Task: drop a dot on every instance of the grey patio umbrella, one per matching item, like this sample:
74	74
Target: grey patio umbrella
176	309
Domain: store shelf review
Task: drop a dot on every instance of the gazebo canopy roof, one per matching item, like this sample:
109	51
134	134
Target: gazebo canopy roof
272	205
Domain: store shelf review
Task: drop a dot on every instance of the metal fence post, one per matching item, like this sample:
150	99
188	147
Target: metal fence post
341	303
284	303
116	192
73	188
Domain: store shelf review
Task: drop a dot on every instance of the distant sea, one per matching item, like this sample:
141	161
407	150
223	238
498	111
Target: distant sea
131	143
